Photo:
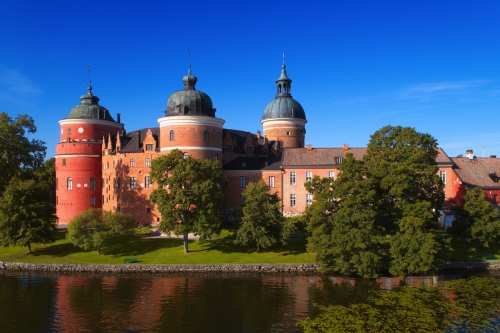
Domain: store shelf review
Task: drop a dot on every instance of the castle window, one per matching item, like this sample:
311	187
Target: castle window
228	148
287	133
69	131
243	181
147	182
148	210
216	157
64	162
331	174
292	200
338	160
308	176
309	199
92	183
186	155
149	146
249	150
172	135
132	182
292	178
70	184
205	136
442	176
92	200
271	181
132	162
147	162
243	165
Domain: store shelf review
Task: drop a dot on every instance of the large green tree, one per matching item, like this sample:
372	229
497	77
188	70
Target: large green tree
262	224
47	176
477	221
95	228
26	214
20	156
189	195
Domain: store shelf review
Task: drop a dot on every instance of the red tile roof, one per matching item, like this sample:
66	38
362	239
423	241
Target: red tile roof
477	172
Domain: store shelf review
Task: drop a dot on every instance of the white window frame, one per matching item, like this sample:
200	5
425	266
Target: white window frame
92	200
132	162
308	176
442	176
331	174
147	182
133	182
147	162
293	178
293	200
69	183
243	182
92	183
271	181
309	199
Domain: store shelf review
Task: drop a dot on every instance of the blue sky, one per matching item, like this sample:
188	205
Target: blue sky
356	66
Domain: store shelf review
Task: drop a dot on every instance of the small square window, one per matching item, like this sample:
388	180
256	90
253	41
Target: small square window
338	160
243	165
149	147
148	210
228	148
249	150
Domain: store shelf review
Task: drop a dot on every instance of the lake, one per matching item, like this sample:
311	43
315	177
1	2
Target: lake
43	302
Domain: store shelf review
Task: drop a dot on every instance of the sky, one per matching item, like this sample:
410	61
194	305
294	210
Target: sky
356	66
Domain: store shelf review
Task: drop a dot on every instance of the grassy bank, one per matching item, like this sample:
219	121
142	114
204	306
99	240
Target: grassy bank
170	251
159	251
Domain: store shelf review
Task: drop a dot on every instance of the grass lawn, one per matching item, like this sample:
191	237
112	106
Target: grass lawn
159	251
463	251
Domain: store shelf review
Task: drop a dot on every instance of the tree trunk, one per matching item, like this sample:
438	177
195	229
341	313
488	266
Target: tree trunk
29	247
98	250
186	243
258	248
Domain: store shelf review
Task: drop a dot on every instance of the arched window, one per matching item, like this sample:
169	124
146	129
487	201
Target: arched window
70	184
205	136
92	183
186	155
172	135
69	131
216	157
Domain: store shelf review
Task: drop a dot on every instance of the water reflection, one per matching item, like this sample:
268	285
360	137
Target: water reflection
175	303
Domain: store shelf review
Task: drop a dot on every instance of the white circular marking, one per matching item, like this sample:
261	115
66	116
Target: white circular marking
80	130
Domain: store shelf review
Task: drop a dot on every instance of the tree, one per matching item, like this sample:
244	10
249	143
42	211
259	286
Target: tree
19	155
95	228
476	221
347	238
402	164
262	224
188	196
26	214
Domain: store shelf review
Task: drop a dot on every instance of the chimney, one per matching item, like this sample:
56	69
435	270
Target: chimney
309	147
469	154
345	146
258	134
118	118
138	139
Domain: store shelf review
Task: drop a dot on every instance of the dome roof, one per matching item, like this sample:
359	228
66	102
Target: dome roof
284	106
90	109
189	101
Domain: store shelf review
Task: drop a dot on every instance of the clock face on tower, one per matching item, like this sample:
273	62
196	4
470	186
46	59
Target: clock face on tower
80	130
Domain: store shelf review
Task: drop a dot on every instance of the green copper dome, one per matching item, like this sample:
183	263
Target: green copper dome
189	101
284	106
90	109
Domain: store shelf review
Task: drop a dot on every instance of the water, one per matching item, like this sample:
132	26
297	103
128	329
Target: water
174	303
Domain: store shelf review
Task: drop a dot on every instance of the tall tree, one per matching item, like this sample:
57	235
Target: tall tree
262	224
95	228
477	221
20	156
402	164
26	214
188	196
46	175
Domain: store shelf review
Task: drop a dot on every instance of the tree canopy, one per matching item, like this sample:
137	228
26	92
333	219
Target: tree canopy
26	214
95	228
188	196
379	209
477	221
262	224
20	156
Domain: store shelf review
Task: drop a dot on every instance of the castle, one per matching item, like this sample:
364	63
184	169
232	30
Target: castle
100	165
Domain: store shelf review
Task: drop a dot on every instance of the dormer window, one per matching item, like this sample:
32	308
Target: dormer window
338	160
243	165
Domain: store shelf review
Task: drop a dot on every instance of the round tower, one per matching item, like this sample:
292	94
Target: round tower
78	157
190	123
284	118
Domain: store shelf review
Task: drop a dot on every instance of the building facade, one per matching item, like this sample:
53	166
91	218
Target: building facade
101	165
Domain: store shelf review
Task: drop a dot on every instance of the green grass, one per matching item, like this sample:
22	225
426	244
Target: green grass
160	251
462	251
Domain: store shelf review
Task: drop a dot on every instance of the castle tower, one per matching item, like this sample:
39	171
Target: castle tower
190	124
78	157
284	118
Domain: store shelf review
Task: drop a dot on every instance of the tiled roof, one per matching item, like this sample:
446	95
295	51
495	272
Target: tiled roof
318	156
254	163
132	143
442	158
478	172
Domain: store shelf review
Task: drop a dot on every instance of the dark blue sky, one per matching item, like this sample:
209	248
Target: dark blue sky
356	65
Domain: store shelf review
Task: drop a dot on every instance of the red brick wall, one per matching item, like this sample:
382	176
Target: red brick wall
90	131
288	137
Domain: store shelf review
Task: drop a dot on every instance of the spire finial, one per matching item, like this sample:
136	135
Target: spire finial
189	62
90	82
283	64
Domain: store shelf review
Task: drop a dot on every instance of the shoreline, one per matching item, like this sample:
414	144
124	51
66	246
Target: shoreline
208	268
